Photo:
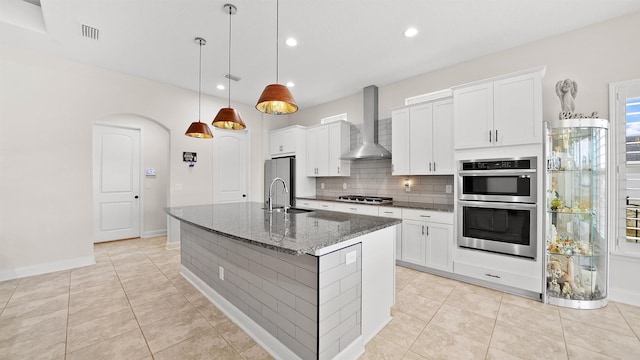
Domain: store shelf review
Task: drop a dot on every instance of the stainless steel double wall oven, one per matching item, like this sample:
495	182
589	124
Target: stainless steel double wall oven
497	206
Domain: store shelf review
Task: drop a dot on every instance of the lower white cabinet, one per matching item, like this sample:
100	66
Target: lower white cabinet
314	204
356	209
396	213
427	239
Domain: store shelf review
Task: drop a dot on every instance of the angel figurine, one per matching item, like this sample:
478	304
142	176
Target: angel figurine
567	91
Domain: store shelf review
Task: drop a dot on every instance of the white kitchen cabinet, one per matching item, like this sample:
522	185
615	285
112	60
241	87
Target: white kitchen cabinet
314	204
395	213
422	139
501	111
325	146
427	239
400	141
282	142
356	208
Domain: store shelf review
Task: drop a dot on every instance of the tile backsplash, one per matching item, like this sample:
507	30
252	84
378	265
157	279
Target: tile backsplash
373	177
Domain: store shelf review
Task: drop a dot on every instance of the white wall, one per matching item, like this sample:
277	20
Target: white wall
47	108
593	56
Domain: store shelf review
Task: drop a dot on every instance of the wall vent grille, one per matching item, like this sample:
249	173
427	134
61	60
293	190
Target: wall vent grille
90	32
233	77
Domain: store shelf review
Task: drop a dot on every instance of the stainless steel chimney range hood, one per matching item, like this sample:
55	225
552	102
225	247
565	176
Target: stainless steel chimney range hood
370	149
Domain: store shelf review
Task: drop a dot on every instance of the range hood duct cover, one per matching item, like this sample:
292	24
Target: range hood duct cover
370	149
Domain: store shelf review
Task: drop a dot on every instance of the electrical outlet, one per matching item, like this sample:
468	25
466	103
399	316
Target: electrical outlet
351	257
221	273
344	186
449	189
322	186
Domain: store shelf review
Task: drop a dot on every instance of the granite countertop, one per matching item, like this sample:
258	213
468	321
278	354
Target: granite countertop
295	233
400	204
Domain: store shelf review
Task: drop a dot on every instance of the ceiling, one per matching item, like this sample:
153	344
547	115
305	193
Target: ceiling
343	45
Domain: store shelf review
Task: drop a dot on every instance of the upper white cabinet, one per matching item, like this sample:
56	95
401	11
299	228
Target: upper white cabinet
499	112
282	142
422	139
325	145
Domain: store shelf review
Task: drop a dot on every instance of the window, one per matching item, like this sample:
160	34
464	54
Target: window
627	148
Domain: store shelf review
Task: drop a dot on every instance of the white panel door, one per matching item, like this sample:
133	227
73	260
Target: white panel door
230	165
116	181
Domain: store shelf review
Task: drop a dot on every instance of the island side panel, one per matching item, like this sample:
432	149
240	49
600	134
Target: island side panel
340	314
278	291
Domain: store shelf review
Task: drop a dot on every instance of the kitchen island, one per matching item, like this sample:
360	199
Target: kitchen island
308	285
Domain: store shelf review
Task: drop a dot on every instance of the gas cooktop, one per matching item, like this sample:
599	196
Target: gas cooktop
366	199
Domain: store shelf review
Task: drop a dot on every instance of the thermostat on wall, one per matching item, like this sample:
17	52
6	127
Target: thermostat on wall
189	157
150	172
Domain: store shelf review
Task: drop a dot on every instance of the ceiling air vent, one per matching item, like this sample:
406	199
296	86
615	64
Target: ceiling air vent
90	32
233	77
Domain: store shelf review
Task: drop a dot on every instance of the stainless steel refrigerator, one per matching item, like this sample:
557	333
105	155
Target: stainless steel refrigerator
283	168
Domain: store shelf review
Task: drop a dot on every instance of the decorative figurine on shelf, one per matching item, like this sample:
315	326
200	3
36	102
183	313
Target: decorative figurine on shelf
567	91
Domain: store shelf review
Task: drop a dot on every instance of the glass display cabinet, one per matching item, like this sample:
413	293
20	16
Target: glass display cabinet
576	254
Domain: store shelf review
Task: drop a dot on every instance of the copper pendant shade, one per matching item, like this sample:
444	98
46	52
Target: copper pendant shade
229	118
199	129
276	99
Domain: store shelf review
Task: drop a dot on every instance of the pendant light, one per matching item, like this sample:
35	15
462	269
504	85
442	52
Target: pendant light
199	129
276	99
229	118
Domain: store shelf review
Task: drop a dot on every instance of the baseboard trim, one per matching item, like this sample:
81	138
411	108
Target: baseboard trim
47	268
272	345
624	296
173	245
154	233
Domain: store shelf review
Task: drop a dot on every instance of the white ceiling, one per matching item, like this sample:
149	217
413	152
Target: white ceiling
343	45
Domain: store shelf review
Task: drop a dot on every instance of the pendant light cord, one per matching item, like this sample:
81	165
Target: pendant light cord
277	37
229	74
199	78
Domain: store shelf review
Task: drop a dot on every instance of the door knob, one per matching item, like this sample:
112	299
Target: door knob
136	196
244	195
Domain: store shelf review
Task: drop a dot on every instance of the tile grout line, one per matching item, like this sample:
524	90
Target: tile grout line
493	329
66	333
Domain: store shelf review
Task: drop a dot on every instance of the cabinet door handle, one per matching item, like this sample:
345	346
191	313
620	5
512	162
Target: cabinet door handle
354	209
338	169
426	216
429	165
388	212
496	135
280	147
427	231
492	275
422	229
489	135
434	166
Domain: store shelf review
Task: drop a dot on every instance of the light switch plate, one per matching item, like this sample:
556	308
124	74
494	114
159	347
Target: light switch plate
449	189
321	185
344	186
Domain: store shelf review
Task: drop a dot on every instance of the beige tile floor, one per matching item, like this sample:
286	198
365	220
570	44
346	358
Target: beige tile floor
133	304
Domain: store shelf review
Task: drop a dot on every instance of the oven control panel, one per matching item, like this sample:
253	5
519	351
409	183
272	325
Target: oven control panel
498	164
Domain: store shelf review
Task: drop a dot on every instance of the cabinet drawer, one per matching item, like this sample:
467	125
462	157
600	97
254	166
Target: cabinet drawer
501	277
356	209
391	212
325	205
425	215
307	204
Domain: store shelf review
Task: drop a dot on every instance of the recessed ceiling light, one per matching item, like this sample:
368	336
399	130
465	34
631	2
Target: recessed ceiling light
290	84
220	87
291	42
411	32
